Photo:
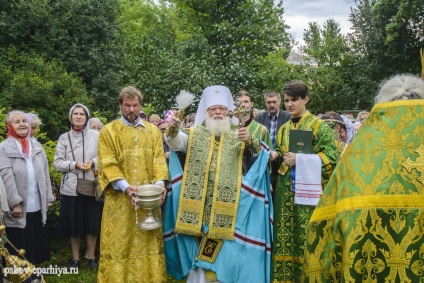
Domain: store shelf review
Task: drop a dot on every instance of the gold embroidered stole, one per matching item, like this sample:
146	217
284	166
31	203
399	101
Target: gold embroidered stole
253	130
226	184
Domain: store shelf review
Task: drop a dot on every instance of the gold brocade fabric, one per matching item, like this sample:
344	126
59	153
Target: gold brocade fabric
369	223
341	147
260	132
290	219
211	184
128	254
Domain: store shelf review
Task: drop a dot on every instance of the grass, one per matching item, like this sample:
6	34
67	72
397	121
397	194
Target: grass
61	256
60	252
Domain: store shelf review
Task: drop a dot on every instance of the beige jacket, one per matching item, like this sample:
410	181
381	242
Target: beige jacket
64	162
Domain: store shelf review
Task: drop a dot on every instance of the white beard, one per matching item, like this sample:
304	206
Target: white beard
218	126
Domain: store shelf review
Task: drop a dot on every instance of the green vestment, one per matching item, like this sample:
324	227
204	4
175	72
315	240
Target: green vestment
291	220
369	223
260	132
210	188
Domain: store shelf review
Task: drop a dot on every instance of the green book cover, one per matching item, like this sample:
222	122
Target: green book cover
300	141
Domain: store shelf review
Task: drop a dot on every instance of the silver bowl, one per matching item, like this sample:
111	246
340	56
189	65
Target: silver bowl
149	197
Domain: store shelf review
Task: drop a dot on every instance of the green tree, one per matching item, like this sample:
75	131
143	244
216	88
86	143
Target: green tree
387	37
29	82
326	45
330	85
81	34
189	45
237	34
148	42
3	127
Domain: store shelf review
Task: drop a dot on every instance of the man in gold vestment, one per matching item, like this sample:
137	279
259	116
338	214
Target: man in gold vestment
369	223
130	153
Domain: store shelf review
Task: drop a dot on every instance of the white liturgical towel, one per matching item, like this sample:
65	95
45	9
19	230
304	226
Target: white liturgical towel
308	187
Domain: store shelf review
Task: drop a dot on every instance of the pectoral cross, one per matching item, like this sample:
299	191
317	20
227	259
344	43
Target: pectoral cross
240	112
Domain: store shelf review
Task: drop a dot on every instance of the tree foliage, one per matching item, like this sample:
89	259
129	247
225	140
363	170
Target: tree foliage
237	33
326	45
387	37
81	34
192	44
29	82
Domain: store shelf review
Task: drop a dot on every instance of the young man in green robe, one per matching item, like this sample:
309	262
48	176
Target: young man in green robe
291	218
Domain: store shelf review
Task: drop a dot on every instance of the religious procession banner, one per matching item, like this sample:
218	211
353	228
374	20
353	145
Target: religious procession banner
369	223
247	258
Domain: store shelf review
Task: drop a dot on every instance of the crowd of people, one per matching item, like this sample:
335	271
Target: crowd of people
249	195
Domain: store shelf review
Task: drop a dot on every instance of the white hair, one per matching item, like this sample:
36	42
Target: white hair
13	113
218	126
94	120
35	121
362	112
399	87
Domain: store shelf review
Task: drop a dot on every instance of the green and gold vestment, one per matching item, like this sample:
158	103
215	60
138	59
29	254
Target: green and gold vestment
291	220
210	188
260	132
369	223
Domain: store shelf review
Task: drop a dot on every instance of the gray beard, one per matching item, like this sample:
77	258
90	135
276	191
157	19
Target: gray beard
218	127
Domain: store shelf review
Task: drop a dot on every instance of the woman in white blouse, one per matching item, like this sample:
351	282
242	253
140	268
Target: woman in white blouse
24	170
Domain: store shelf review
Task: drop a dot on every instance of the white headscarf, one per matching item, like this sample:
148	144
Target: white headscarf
214	95
349	128
87	112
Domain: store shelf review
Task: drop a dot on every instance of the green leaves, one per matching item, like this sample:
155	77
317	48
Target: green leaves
80	35
35	84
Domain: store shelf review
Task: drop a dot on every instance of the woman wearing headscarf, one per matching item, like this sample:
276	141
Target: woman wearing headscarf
347	135
337	124
95	124
76	157
24	170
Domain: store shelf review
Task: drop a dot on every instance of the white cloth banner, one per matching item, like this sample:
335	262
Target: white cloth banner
308	187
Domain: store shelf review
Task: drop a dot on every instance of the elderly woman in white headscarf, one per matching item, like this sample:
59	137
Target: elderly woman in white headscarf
24	170
76	157
95	124
346	135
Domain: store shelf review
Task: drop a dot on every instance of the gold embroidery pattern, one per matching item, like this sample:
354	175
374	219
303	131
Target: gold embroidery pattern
369	224
209	249
417	165
291	220
210	191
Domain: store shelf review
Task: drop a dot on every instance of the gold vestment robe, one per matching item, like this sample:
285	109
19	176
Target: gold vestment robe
128	254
